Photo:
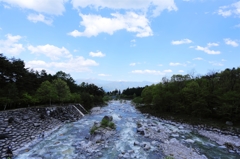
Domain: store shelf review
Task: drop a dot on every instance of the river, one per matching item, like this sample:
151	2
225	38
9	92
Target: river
71	141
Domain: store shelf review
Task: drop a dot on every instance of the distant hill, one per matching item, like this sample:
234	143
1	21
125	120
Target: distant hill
112	85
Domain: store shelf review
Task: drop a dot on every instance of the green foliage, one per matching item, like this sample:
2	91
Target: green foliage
215	95
107	123
138	100
21	87
93	129
168	157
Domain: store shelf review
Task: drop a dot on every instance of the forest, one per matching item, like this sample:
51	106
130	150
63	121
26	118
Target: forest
23	87
215	95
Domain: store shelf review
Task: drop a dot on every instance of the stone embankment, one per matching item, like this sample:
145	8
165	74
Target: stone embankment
22	126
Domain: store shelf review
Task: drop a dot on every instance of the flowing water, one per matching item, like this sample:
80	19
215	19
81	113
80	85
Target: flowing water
67	141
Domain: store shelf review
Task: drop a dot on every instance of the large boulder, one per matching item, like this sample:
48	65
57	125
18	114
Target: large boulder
107	118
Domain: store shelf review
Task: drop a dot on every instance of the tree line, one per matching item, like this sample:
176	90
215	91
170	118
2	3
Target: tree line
215	95
23	87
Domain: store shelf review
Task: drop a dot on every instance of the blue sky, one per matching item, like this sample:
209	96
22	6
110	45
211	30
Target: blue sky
122	40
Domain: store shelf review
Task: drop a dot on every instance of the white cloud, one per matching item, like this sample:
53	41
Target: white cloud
223	60
0	28
176	64
212	44
54	7
155	7
215	63
231	42
75	50
51	51
180	71
198	58
233	9
206	50
11	46
76	64
160	65
103	75
183	41
132	64
39	18
97	54
133	43
131	22
167	71
152	72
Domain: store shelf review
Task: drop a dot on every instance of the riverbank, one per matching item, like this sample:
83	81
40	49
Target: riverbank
228	137
22	127
205	123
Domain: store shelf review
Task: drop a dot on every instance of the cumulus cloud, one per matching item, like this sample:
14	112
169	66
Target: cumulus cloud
233	9
176	64
51	51
207	48
152	72
155	7
180	71
131	22
39	18
96	54
231	42
183	41
212	44
198	58
76	64
11	45
54	7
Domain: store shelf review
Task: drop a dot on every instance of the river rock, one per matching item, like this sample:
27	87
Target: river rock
107	118
140	131
136	143
36	124
25	117
190	140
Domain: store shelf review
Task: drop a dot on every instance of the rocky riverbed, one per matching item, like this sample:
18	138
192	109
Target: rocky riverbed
21	127
136	136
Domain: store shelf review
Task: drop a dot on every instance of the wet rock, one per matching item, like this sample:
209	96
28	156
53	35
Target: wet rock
140	131
136	143
229	145
190	140
107	118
